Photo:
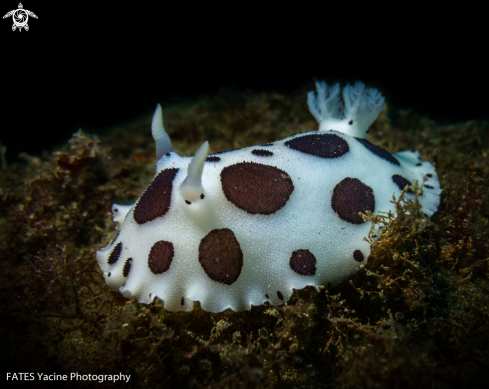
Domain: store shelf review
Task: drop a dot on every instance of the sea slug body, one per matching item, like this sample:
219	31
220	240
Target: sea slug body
242	227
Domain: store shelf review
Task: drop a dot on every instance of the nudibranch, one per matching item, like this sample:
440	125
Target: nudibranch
238	228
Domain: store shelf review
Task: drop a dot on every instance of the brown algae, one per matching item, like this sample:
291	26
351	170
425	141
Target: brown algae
416	315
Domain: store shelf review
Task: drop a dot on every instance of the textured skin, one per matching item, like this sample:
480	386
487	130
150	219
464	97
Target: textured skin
303	218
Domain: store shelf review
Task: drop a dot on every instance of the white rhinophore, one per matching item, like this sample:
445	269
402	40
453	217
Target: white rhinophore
120	212
162	140
191	188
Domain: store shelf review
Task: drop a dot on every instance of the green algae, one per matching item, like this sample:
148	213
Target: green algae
415	316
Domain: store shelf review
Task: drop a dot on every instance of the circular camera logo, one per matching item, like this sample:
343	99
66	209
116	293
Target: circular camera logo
20	16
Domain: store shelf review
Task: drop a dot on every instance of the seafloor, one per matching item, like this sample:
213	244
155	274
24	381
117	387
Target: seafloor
416	317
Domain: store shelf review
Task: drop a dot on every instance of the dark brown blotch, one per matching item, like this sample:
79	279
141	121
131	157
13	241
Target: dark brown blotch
220	256
261	153
160	256
350	197
256	188
212	158
127	267
379	151
115	254
402	182
155	201
358	256
303	262
280	295
320	145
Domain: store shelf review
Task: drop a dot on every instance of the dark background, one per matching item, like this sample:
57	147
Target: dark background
93	67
